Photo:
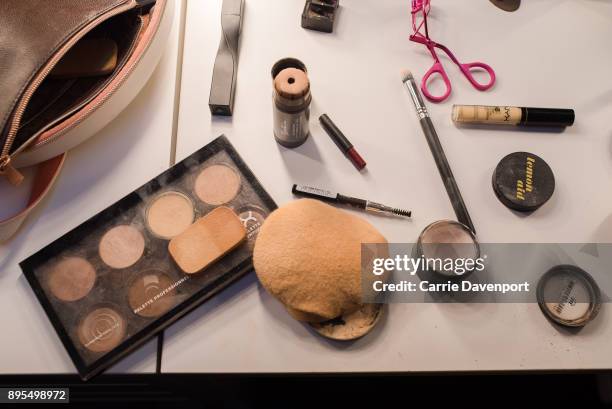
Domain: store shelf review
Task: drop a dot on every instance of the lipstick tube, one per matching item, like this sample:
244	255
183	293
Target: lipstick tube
508	115
342	142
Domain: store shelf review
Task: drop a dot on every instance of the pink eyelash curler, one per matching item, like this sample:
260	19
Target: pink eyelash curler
420	10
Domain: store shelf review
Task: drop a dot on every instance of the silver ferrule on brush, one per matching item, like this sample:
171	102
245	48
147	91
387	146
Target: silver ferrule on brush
374	207
419	104
377	208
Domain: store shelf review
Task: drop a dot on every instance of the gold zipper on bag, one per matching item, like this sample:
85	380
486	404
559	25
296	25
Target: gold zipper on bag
125	71
11	174
6	169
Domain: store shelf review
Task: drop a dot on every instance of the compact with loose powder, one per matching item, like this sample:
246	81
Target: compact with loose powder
569	296
448	240
114	282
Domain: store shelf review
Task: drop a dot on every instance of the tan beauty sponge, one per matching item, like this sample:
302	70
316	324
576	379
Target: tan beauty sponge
207	240
308	256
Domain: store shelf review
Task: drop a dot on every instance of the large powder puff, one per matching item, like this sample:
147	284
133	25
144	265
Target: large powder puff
308	255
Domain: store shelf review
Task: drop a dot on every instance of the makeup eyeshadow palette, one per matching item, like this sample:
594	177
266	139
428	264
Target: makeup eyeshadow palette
111	284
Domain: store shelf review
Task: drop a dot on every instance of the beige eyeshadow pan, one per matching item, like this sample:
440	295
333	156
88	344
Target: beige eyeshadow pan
170	214
122	246
71	279
102	329
151	294
217	184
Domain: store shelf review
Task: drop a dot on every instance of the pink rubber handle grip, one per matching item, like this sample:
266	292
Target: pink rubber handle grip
467	71
436	69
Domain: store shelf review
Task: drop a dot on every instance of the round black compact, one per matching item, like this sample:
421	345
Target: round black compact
523	181
568	296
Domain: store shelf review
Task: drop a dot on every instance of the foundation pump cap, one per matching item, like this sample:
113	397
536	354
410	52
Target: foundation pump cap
292	83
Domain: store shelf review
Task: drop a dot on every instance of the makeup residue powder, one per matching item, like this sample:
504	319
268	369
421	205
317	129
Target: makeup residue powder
71	279
151	294
102	329
170	214
121	246
217	184
351	326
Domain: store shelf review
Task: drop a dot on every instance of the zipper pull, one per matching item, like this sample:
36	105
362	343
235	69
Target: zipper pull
7	170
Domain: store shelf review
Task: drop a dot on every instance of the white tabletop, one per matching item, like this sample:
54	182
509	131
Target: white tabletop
131	150
550	53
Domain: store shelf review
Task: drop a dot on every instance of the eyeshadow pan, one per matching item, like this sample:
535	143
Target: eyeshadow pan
151	294
71	279
102	329
217	184
170	214
121	246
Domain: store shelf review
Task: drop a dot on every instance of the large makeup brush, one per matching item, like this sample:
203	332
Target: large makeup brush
438	152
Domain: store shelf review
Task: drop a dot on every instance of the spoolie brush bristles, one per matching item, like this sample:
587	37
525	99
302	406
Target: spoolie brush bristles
406	75
401	212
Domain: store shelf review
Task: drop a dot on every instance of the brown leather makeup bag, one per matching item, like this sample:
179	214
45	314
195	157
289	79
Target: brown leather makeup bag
42	114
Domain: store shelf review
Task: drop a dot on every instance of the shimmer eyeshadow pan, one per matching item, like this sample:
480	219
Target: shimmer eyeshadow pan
151	294
111	284
102	329
170	214
121	246
217	184
71	279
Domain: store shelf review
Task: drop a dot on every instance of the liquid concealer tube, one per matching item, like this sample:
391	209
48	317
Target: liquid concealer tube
517	116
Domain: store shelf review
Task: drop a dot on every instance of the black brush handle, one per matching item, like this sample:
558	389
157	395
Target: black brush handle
446	173
353	201
314	193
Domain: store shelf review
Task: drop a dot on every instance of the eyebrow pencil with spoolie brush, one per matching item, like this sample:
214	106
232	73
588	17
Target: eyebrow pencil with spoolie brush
438	152
337	198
